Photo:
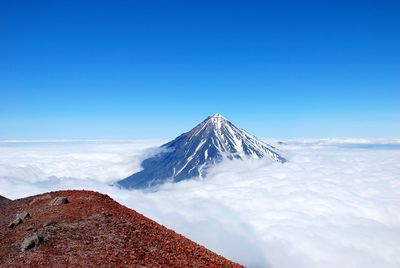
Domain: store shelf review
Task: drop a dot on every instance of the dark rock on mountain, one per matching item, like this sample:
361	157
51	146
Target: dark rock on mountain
190	154
31	241
19	218
59	201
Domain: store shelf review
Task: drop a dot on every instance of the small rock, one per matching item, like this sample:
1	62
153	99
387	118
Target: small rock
29	228
31	242
127	223
22	215
19	218
48	223
15	223
59	201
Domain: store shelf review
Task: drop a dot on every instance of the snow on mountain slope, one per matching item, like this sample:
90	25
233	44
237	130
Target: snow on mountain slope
190	154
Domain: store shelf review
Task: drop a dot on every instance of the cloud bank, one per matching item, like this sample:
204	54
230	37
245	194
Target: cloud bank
329	206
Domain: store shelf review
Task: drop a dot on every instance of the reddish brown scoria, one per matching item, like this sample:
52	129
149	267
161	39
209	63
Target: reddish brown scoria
89	229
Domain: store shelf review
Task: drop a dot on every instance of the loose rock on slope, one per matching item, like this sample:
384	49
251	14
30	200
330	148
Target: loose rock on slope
19	218
59	201
31	241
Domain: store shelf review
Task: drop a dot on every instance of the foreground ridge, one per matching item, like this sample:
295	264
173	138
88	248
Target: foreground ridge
89	229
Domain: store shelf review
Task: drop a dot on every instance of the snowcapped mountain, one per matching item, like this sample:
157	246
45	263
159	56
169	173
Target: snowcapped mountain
190	154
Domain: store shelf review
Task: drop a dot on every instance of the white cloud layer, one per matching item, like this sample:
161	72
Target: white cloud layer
329	206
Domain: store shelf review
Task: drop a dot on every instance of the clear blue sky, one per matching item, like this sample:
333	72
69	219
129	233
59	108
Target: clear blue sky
153	69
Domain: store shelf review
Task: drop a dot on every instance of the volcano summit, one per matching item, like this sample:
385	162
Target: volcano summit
190	154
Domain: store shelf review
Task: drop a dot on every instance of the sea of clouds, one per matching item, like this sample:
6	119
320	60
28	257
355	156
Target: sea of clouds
335	203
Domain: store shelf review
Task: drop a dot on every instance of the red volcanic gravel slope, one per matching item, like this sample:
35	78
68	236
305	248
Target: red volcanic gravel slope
89	229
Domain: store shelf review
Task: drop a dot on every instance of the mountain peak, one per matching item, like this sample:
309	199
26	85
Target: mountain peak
217	116
193	152
215	121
